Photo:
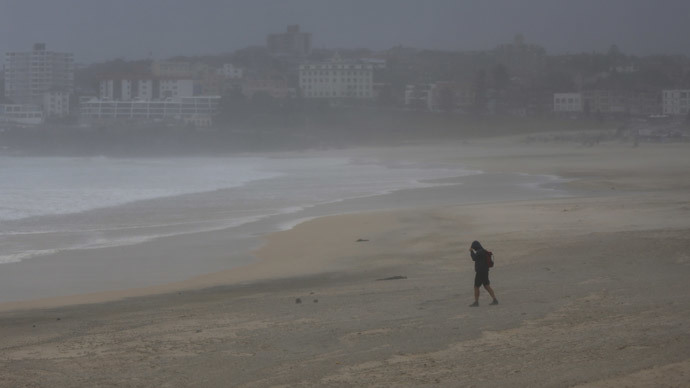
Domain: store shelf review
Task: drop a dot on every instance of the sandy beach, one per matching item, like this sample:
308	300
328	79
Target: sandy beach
593	292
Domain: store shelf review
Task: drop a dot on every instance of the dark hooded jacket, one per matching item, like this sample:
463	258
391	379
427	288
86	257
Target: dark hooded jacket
479	257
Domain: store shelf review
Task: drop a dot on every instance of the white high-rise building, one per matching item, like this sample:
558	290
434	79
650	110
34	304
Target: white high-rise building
337	80
29	75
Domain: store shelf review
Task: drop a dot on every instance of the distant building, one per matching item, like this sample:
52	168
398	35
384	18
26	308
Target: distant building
644	103
56	104
174	88
291	42
26	114
568	103
622	102
419	96
144	88
196	110
379	63
676	102
229	71
439	96
337	79
629	68
211	84
29	75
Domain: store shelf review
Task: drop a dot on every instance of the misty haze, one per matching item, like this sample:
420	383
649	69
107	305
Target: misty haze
320	193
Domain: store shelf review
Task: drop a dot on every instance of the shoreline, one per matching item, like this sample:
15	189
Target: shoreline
217	247
223	250
592	287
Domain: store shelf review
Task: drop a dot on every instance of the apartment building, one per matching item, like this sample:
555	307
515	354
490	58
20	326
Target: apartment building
28	75
24	114
568	103
337	79
56	104
229	71
676	102
144	88
420	96
619	102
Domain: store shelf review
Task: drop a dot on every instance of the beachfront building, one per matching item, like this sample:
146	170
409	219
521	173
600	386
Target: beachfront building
439	96
419	96
174	88
22	114
56	104
144	88
131	88
567	103
28	75
292	42
337	80
37	78
676	102
198	109
622	102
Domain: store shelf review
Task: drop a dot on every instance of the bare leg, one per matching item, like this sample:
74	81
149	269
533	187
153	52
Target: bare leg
488	288
476	294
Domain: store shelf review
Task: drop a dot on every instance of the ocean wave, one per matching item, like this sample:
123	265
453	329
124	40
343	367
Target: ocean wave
79	208
31	187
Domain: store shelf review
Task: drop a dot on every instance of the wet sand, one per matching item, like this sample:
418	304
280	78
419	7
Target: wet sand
593	291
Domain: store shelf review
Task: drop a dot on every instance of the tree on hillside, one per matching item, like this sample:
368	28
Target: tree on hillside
558	81
446	99
2	87
233	107
480	92
500	77
614	56
386	97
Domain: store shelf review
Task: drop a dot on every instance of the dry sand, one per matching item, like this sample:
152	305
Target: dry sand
593	292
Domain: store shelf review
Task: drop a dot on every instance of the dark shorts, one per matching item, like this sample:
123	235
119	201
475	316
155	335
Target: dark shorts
481	278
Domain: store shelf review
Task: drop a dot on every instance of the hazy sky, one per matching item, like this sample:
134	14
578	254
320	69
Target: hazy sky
96	30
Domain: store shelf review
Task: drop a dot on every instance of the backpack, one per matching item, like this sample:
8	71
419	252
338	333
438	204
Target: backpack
489	259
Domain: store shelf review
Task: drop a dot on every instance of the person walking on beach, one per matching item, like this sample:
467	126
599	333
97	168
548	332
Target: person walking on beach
481	269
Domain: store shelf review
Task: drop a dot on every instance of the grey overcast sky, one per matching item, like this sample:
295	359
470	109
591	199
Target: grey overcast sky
97	30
